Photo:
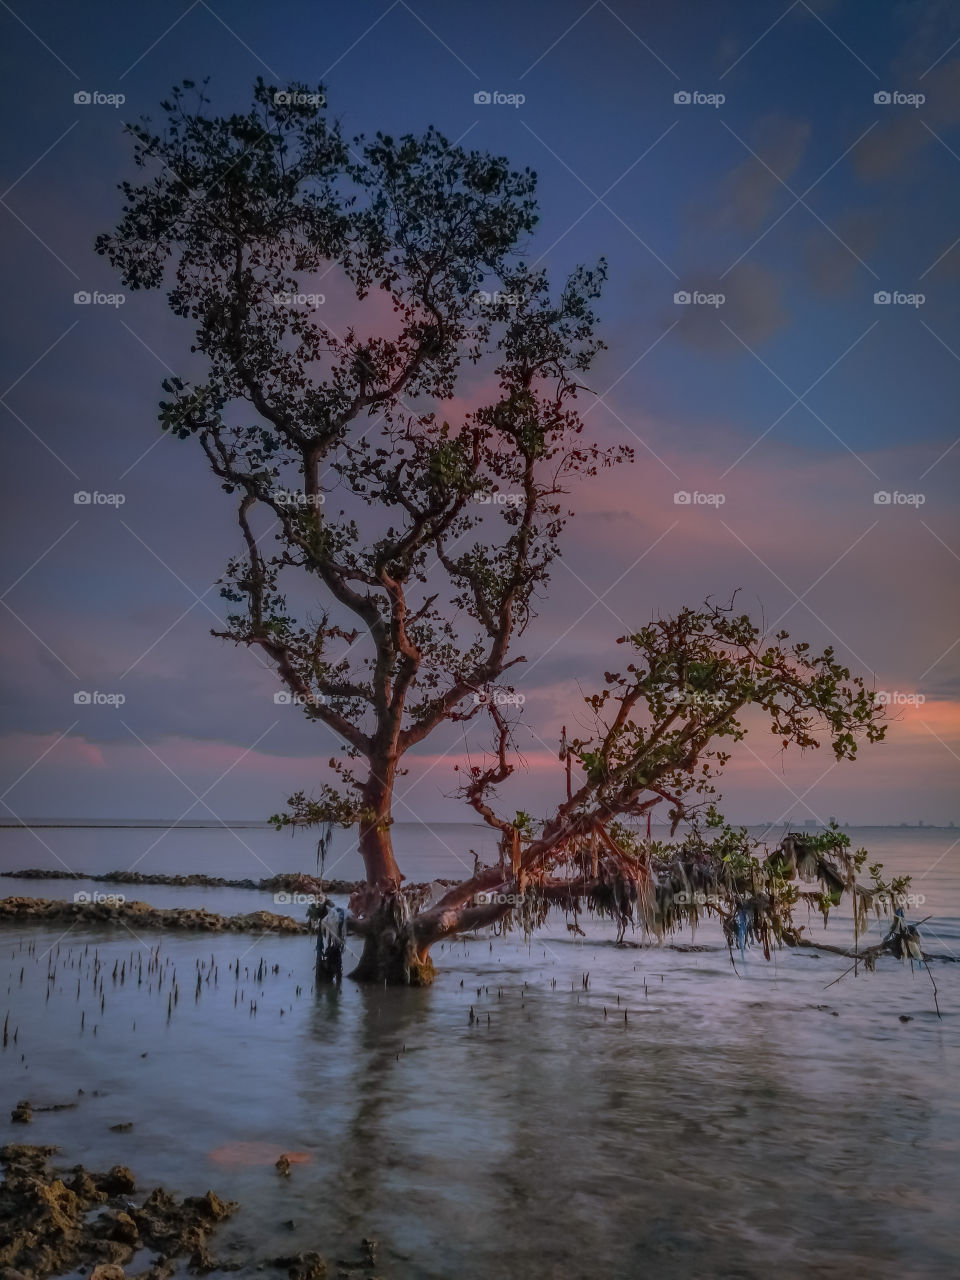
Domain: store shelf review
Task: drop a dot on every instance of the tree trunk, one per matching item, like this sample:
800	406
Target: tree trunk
392	954
375	844
376	849
394	962
392	951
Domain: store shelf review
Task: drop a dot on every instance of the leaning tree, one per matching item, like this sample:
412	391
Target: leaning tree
413	594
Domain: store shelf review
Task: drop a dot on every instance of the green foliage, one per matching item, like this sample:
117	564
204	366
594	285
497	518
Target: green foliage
330	808
523	822
297	405
691	681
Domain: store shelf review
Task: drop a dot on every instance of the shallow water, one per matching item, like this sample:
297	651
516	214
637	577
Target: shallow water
728	1126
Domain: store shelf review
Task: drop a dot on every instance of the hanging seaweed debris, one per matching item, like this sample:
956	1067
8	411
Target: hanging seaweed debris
663	732
660	888
323	846
331	922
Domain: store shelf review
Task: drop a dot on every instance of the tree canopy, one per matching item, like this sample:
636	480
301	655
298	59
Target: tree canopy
393	540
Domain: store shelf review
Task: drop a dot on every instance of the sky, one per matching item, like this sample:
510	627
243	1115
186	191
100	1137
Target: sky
800	161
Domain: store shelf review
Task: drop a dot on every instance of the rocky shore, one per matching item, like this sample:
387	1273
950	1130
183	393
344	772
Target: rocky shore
104	909
55	1222
141	916
284	882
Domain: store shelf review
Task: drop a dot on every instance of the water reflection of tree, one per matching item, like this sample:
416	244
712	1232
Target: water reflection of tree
349	1082
470	1142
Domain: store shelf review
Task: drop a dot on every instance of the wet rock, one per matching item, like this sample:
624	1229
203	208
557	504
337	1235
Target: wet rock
58	1205
125	1127
26	1159
125	1229
46	1227
202	1261
84	1186
291	881
159	1203
118	1182
210	1206
162	1269
283	1167
303	1266
22	1113
168	1226
192	1238
143	916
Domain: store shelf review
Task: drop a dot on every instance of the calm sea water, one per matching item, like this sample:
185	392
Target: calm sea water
727	1126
